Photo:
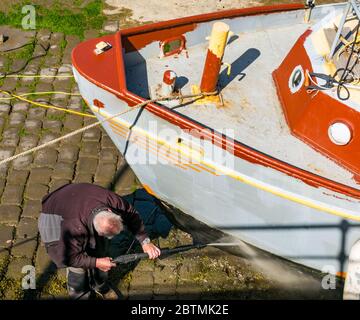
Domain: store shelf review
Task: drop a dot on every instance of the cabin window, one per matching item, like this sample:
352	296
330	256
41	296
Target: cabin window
296	79
172	46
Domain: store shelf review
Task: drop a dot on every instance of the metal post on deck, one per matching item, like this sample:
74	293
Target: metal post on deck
218	40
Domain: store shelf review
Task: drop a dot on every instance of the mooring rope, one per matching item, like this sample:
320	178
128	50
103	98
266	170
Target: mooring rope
38	104
71	134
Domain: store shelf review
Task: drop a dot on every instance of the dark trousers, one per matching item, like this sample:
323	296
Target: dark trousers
81	282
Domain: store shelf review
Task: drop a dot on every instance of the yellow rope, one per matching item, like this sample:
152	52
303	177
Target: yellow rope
48	106
43	93
140	105
36	76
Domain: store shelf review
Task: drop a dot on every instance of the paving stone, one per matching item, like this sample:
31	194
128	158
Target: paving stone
56	114
65	69
23	89
54	59
141	285
43	264
24	248
68	153
165	280
57	183
17	64
46	157
20	107
105	172
40	175
23	162
83	178
75	104
106	143
16	119
52	125
63	85
27	228
16	266
73	122
4	256
44	87
63	170
89	149
126	182
4	169
9	214
2	124
43	35
93	134
35	191
48	73
17	177
28	141
33	126
67	57
4	109
32	209
75	89
9	84
49	136
33	67
2	186
13	194
41	48
56	38
75	139
36	113
108	156
6	152
10	137
86	165
6	235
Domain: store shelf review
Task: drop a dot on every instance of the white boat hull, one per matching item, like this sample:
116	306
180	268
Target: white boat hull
262	206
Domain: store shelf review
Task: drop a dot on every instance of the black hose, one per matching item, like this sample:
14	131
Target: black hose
346	71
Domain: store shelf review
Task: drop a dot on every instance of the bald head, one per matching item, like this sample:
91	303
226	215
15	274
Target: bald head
108	224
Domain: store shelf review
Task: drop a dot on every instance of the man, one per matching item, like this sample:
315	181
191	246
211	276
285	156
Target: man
76	225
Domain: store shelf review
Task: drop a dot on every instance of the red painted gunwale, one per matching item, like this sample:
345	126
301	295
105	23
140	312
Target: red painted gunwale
117	86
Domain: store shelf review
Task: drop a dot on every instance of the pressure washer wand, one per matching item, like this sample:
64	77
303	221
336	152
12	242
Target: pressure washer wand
127	258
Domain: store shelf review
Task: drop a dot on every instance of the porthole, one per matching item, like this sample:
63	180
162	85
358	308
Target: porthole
172	46
296	79
340	134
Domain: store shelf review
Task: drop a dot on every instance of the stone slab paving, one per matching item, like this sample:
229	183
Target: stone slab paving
88	157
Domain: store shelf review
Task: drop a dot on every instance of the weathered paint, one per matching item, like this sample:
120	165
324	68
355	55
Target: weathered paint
89	68
218	40
248	211
260	201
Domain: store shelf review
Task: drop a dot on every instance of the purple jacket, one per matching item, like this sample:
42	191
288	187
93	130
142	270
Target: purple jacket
66	222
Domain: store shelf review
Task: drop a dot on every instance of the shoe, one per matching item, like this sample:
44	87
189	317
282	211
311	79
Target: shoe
109	295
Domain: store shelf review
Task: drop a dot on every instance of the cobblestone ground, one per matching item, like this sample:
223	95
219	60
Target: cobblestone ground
89	157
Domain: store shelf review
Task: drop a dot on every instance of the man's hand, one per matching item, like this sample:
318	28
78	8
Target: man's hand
105	264
152	250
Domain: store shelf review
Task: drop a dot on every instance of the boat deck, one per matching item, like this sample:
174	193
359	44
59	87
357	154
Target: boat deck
251	105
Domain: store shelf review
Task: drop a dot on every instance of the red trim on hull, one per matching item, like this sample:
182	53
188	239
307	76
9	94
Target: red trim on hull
241	151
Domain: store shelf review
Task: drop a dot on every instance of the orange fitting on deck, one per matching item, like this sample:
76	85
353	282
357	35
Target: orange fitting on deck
218	40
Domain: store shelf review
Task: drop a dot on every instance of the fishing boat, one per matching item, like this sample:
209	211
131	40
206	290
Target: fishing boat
253	127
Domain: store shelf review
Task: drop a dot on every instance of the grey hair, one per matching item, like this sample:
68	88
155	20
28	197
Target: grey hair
107	218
